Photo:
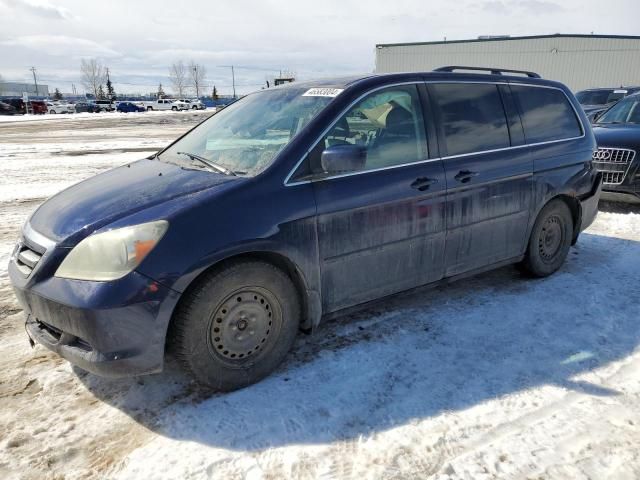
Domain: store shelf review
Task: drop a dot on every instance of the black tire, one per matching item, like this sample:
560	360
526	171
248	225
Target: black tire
550	240
236	325
149	109
175	109
52	112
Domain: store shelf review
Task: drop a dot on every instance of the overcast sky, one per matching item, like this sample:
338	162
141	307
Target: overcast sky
139	39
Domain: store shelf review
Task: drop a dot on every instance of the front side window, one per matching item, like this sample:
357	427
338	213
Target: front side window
546	114
625	111
472	117
387	124
245	137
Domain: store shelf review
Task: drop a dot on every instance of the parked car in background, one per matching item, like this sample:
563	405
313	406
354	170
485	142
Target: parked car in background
60	107
129	107
617	132
295	203
160	104
82	107
105	105
180	105
18	104
194	103
7	109
594	101
39	107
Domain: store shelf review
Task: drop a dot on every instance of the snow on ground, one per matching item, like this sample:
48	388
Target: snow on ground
496	376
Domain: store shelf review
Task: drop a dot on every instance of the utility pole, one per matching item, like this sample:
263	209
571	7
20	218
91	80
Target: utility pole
195	80
233	81
35	81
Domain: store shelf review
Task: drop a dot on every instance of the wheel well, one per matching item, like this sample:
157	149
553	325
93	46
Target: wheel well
279	261
576	213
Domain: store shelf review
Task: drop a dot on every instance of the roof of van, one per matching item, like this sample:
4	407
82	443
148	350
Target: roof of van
345	81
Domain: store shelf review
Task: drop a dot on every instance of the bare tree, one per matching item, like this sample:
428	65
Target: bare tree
197	75
178	77
93	75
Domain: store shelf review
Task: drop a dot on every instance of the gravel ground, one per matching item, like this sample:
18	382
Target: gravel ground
495	376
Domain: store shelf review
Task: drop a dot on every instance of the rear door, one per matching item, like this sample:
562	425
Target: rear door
489	184
380	229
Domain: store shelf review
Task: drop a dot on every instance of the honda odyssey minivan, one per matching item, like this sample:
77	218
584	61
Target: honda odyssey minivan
297	202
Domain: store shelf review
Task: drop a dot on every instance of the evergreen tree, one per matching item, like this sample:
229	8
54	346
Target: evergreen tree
57	95
100	92
160	91
214	94
110	90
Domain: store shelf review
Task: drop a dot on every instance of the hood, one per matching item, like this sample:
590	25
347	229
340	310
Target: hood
116	194
624	135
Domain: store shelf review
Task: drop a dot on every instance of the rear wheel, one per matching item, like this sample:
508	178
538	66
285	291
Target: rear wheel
52	112
149	109
236	325
175	109
550	240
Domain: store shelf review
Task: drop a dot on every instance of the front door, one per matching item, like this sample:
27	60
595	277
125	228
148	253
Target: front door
381	229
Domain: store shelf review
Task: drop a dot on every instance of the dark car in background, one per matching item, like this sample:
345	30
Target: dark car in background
127	107
18	104
7	109
594	101
297	202
83	107
617	132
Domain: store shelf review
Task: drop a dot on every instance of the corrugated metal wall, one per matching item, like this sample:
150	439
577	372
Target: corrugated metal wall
579	62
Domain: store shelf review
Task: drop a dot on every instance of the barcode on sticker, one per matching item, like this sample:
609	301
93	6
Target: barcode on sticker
322	92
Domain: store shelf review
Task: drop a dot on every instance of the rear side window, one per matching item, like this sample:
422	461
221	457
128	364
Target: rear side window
546	114
472	117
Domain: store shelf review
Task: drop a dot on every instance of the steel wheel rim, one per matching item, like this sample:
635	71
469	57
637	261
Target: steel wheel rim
551	239
243	323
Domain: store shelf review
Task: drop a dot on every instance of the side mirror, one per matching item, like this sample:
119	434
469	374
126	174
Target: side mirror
343	158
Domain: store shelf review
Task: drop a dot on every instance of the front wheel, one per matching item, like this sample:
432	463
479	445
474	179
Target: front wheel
550	240
236	325
52	112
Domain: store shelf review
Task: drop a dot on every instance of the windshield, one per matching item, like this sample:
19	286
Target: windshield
245	137
599	97
625	111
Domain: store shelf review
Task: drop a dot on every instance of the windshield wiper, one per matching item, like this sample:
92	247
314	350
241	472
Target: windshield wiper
209	163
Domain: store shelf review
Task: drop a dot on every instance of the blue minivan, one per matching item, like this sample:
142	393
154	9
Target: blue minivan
297	202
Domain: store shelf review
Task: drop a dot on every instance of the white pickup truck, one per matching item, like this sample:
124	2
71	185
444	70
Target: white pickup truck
164	104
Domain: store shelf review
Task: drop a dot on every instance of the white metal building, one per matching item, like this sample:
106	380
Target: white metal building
15	89
579	61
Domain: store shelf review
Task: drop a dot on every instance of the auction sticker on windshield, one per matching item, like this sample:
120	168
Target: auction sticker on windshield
322	92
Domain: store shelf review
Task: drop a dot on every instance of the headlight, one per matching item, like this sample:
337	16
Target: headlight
111	255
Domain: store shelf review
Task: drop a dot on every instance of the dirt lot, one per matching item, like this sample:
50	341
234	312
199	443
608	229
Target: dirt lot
493	377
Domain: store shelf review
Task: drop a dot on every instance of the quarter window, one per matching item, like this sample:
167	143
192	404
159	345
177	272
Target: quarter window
472	117
546	114
388	123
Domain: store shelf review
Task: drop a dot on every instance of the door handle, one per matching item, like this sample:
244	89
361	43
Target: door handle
423	183
465	175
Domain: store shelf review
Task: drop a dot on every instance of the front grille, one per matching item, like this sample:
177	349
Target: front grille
27	259
614	164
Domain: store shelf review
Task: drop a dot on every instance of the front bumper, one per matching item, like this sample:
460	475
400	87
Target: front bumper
114	329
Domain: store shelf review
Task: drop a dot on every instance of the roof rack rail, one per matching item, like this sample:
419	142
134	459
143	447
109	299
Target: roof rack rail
494	71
